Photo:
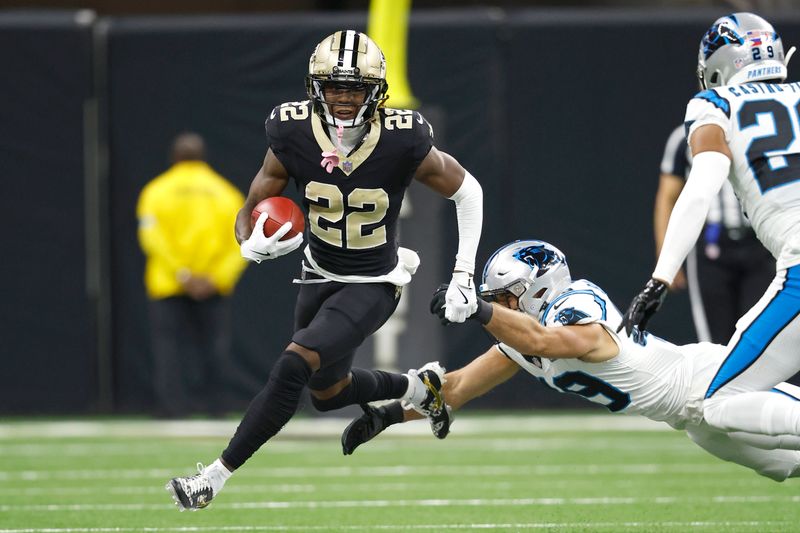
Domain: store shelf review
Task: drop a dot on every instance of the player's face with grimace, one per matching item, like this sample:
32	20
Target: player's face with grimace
344	99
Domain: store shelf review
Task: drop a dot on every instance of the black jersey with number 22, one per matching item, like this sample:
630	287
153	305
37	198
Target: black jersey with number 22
351	212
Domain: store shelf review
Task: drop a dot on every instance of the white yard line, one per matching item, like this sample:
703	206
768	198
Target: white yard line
364	504
375	472
455	442
757	525
465	425
680	526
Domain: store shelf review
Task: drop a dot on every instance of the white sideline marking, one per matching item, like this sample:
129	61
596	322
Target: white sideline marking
464	425
355	504
376	472
125	449
395	527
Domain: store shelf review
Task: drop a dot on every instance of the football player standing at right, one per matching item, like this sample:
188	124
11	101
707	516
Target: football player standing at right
353	270
728	270
743	127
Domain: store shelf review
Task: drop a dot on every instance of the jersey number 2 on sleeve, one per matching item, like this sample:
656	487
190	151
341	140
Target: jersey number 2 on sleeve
401	119
293	111
327	203
760	164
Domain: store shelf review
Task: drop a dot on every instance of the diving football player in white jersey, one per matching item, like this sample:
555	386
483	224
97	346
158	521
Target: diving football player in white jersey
743	126
565	335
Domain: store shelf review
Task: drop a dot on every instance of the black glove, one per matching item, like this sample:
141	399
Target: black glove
483	314
644	306
437	303
370	425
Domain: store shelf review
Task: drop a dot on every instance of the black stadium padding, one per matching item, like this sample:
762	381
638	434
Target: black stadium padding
562	115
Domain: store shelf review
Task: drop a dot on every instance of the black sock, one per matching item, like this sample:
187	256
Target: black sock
270	410
393	413
366	386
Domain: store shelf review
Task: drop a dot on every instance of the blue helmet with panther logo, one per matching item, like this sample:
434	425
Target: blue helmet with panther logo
741	48
533	271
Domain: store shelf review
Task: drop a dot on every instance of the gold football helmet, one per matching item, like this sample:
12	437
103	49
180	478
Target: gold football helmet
347	59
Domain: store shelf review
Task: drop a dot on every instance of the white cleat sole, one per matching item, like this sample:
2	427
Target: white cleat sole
171	489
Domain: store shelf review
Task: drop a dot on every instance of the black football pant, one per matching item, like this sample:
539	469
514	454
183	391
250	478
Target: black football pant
332	319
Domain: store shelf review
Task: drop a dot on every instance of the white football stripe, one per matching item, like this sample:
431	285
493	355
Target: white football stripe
389	471
757	525
361	504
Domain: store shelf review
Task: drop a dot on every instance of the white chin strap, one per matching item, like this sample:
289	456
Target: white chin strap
789	55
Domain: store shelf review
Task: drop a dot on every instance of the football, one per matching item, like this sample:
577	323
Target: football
280	210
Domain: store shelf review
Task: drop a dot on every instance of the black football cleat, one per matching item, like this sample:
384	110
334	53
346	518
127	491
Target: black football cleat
191	492
364	428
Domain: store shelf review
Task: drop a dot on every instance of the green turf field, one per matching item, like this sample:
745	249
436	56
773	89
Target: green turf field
560	473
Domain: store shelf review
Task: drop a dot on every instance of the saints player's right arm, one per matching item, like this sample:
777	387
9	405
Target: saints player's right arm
270	181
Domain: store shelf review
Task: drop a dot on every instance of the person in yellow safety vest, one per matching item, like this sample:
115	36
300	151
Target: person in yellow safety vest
192	266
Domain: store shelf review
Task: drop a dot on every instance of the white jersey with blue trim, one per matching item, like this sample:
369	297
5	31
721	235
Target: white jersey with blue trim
760	121
649	376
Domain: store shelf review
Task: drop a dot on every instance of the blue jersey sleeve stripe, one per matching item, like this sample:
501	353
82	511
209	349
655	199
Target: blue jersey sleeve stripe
719	102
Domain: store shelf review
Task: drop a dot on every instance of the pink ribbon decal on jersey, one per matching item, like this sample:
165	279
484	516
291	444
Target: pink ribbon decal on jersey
331	159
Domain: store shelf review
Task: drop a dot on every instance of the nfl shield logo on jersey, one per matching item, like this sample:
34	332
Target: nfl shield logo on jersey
347	166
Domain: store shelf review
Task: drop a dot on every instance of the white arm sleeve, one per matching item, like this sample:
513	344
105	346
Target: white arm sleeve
469	212
709	172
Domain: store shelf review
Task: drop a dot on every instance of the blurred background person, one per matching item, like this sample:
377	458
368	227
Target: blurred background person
192	267
729	268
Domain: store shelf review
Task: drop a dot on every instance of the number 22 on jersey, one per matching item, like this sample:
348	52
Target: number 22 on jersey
327	203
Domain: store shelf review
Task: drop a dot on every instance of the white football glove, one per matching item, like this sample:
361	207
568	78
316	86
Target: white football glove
460	299
260	247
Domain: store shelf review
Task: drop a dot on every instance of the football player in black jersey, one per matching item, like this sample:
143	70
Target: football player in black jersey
352	160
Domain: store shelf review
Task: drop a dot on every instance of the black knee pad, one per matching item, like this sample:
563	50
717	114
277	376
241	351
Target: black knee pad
291	369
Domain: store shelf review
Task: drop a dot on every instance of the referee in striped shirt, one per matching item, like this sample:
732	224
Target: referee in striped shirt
729	269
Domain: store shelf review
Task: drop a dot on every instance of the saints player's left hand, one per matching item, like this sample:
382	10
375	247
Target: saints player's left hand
644	306
460	300
483	309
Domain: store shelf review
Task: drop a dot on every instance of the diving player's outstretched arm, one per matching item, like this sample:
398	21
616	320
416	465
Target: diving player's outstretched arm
476	379
442	173
270	181
587	342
